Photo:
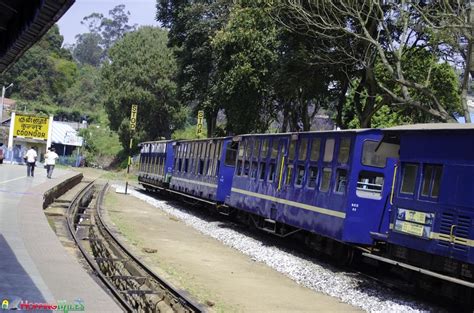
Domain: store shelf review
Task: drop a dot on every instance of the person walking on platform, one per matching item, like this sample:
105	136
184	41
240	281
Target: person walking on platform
30	158
50	161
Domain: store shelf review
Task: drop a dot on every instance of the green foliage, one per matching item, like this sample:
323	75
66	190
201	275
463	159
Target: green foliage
87	49
44	72
101	145
246	57
93	47
189	132
141	71
192	26
439	78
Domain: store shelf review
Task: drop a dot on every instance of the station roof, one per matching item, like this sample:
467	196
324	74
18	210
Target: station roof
24	22
64	134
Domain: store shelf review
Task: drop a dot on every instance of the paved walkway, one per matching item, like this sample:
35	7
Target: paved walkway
34	266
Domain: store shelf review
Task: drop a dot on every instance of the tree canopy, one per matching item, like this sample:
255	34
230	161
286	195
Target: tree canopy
141	71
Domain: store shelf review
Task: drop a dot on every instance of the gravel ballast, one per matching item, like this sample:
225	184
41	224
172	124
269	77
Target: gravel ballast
350	288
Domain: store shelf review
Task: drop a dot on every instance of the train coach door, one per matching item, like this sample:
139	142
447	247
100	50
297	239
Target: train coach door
228	158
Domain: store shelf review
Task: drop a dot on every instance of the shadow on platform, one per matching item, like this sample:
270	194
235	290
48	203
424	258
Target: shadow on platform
15	283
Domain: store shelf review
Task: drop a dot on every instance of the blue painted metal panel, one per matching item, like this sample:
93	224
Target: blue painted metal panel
453	209
327	212
192	182
364	214
226	174
169	159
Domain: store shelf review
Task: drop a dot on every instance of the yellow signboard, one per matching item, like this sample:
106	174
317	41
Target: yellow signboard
410	228
200	122
133	117
34	127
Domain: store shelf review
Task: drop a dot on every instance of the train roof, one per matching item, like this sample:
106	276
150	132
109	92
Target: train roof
155	141
238	137
358	130
393	134
430	127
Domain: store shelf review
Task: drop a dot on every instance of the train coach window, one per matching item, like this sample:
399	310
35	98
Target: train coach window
431	180
248	148
313	175
253	170
329	150
246	168
186	165
315	148
300	172
410	171
201	167
271	172
303	149
264	152
256	147
289	174
341	180
231	153
291	151
326	179
262	171
378	158
370	185
241	150
210	166
239	167
344	150
274	148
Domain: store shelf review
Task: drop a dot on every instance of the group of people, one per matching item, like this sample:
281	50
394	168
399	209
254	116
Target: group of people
49	161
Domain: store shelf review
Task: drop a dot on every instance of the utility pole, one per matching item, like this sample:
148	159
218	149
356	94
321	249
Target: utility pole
2	101
133	126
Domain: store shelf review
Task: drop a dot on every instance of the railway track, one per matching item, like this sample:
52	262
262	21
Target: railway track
134	285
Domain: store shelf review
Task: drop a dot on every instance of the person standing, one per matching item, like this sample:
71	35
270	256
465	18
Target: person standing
30	158
50	161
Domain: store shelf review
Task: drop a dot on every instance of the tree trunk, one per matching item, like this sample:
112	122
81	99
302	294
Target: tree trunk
465	83
211	119
341	101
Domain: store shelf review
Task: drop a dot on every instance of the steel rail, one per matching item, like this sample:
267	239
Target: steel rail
179	296
72	210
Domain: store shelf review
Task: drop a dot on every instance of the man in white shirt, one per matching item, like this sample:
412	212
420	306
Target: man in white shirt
30	158
50	160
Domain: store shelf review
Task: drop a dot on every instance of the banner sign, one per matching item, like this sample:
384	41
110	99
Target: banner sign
32	127
133	117
200	121
414	222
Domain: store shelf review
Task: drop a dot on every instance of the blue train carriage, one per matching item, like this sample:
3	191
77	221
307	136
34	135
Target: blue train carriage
156	164
433	201
202	170
330	184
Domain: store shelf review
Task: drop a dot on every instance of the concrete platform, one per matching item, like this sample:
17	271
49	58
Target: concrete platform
34	266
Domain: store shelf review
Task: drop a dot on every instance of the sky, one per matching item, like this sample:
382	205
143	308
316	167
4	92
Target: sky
142	12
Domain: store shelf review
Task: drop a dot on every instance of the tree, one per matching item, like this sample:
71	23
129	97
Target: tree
103	33
87	49
141	71
450	24
246	57
192	26
381	34
44	72
84	94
